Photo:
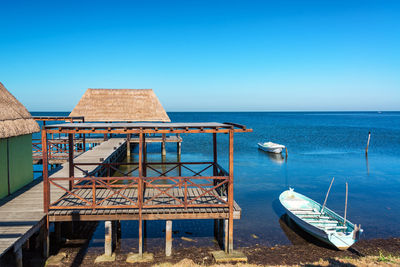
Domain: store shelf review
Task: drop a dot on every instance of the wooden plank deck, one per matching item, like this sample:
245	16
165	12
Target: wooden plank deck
21	214
153	213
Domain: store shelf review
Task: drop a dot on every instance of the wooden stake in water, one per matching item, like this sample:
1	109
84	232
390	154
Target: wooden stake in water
369	137
326	197
345	205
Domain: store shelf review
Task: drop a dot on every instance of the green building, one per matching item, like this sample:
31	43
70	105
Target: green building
16	128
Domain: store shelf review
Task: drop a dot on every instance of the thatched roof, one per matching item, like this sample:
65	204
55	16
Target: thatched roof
14	117
120	105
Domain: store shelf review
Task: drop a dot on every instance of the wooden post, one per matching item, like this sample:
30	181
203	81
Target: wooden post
46	186
168	238
178	146
144	156
140	191
286	152
84	137
369	137
163	149
230	191
226	235
128	145
71	158
108	238
18	257
45	239
215	154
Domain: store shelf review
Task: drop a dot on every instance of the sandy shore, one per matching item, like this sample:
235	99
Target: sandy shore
374	252
366	252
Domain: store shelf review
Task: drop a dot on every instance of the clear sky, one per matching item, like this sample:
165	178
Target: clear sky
205	55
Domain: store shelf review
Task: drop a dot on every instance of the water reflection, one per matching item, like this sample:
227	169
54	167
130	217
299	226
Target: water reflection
277	158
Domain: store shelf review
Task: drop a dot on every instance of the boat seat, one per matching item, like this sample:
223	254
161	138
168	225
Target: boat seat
322	221
314	217
337	227
307	213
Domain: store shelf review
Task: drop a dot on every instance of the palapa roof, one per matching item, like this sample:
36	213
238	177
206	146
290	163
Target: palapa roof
15	119
120	105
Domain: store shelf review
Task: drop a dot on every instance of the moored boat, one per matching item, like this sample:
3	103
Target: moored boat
320	221
271	147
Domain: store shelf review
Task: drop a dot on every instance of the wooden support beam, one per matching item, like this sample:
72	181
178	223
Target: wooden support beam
163	148
71	158
84	138
128	145
215	158
46	186
178	146
144	156
108	238
226	235
45	238
18	257
168	238
230	192
142	166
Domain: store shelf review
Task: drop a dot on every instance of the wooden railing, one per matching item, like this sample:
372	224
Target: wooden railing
57	148
170	185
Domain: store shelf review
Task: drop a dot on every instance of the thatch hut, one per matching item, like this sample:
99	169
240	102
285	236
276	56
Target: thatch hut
16	128
112	105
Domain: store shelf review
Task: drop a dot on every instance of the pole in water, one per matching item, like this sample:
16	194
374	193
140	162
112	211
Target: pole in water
369	137
326	197
345	205
286	152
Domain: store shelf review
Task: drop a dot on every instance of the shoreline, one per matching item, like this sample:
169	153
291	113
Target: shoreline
262	255
364	251
74	251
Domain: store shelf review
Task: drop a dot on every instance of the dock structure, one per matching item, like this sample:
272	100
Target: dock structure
58	144
144	190
22	214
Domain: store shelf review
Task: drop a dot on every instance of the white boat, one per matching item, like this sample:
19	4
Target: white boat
271	147
319	221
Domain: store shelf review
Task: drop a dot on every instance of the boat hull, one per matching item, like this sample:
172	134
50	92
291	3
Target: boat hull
314	231
275	150
295	202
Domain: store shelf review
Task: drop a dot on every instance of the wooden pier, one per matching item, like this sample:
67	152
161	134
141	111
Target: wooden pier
22	213
143	190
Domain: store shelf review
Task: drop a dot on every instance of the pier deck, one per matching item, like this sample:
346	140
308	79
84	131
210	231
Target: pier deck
144	190
22	213
206	211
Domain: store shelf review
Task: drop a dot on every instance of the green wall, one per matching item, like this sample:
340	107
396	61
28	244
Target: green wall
3	168
20	163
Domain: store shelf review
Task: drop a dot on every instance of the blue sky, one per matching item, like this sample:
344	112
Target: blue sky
205	55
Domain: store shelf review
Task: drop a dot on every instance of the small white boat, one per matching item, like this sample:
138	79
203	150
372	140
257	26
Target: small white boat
319	221
271	147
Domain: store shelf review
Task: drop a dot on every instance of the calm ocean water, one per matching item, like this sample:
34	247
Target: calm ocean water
321	145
